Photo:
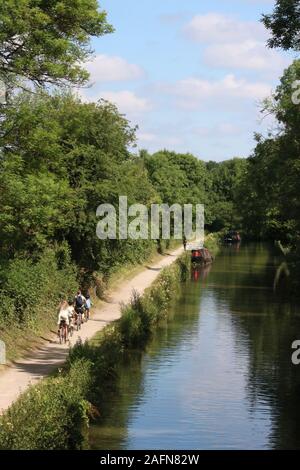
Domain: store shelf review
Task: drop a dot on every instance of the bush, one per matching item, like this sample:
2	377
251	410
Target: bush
52	415
184	263
30	289
212	243
143	313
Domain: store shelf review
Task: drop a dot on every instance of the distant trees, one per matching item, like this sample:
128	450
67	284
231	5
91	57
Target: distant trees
225	182
178	178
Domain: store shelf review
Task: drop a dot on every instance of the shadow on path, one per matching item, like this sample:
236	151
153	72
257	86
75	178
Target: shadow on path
42	362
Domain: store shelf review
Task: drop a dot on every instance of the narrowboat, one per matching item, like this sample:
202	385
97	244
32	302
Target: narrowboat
232	237
201	255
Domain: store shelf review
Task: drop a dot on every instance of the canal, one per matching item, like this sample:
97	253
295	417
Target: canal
218	374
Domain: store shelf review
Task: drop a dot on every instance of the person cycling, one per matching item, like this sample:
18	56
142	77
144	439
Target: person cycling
79	305
63	319
88	304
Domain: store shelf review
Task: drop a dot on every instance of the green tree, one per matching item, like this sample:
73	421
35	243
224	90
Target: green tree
61	158
270	203
179	178
35	208
284	25
46	41
223	197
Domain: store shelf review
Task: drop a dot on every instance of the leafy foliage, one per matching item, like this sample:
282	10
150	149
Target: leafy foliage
30	290
284	24
45	41
269	192
52	415
225	183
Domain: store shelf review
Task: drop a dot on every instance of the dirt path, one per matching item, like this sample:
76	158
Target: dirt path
16	379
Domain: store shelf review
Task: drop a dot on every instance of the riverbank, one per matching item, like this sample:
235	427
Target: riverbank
55	414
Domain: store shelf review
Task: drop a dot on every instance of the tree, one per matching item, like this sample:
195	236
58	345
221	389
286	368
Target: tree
179	178
36	208
223	197
46	41
284	24
282	104
269	193
61	158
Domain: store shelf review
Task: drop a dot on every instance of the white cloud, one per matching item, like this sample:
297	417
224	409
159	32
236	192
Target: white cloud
249	54
127	101
106	68
217	28
192	92
234	44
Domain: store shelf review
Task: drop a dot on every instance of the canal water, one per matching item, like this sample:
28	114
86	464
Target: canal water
218	374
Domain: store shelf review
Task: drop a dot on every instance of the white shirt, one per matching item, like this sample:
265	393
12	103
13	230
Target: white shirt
64	315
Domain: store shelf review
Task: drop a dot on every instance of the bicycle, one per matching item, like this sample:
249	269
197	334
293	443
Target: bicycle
71	327
63	332
78	319
87	314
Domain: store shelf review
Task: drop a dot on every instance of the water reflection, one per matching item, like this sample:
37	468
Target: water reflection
200	273
218	374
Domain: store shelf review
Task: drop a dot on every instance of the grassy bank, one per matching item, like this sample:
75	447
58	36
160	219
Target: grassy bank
55	414
212	242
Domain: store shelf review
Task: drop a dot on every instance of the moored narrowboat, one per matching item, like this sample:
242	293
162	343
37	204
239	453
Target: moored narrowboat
232	237
201	255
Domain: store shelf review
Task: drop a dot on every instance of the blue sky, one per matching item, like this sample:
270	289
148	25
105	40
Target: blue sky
190	74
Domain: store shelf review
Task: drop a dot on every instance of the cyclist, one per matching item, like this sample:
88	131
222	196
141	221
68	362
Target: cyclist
79	305
64	319
88	304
